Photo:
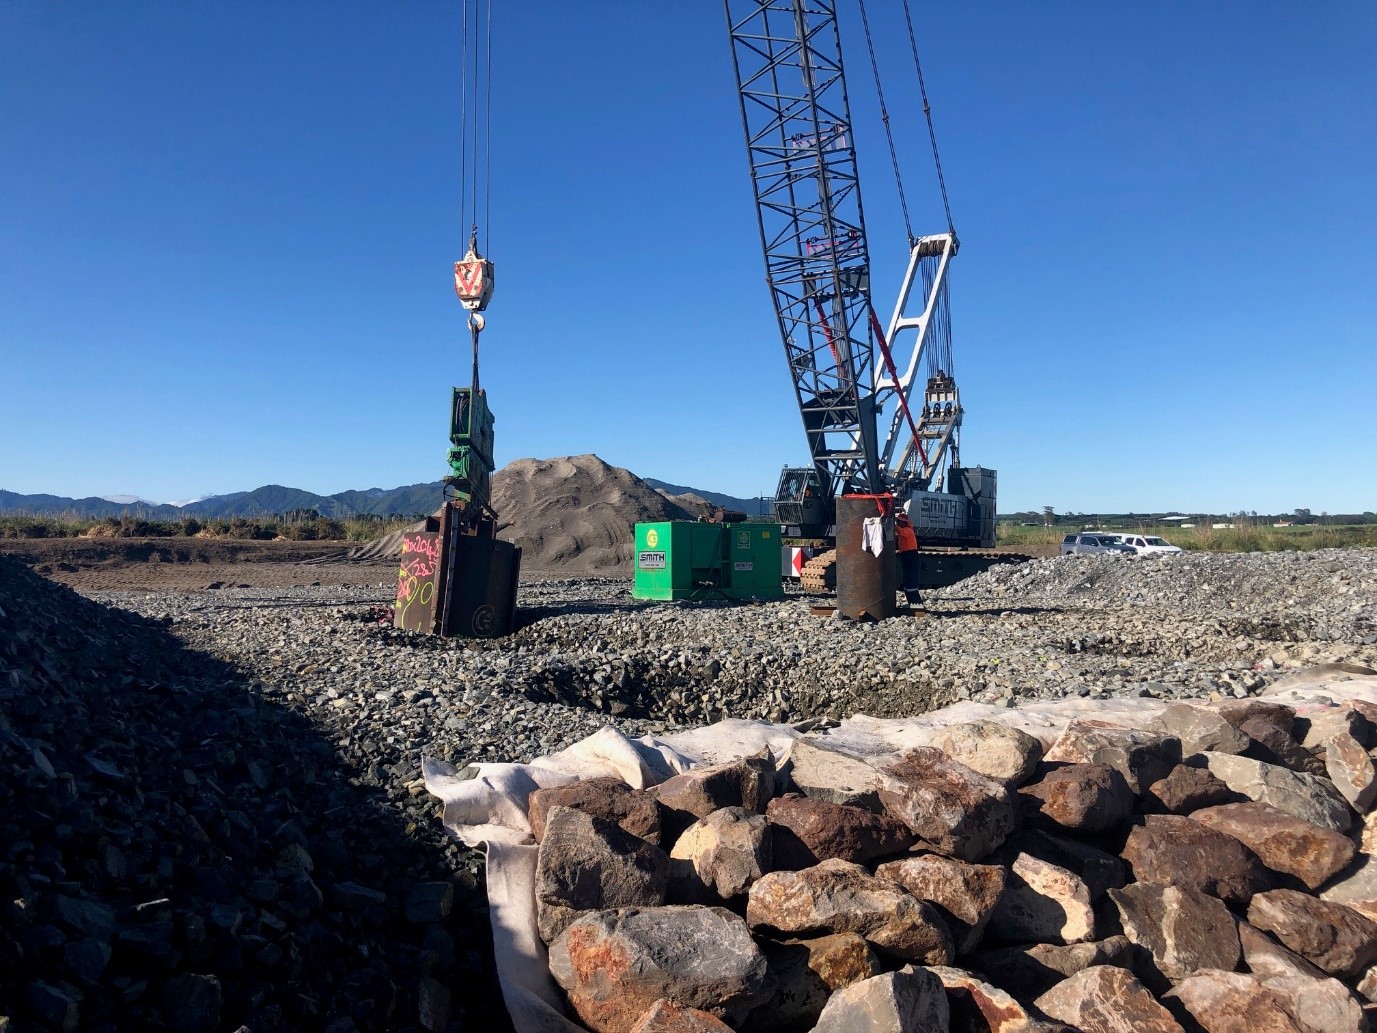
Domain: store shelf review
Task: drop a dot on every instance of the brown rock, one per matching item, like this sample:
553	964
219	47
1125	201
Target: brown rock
719	857
977	1006
747	783
1316	726
1099	871
1232	1002
1332	936
958	811
808	831
614	965
587	863
1281	842
1106	999
823	774
1174	851
1199	728
1187	789
1273	745
608	798
965	893
1009	755
1081	797
1322	1004
908	1001
805	973
1042	903
1141	757
1031	971
1238	712
837	896
1351	770
1302	796
667	1017
1183	929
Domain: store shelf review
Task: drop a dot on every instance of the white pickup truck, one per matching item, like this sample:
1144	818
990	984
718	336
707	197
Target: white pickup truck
1147	544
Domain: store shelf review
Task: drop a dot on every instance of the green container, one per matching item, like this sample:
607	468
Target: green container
754	561
681	560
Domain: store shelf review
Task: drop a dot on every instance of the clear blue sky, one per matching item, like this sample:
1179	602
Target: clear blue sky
226	233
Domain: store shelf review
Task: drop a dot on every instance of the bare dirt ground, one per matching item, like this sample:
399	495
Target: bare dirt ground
193	565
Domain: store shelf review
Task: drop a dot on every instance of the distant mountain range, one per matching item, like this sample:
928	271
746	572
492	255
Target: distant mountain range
409	500
271	499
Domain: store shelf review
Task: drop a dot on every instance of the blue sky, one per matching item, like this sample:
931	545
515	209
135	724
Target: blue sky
226	234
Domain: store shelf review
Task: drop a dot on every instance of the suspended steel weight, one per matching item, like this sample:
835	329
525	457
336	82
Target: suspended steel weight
473	280
866	582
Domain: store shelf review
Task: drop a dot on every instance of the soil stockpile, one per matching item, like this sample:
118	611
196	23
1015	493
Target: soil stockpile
577	513
178	852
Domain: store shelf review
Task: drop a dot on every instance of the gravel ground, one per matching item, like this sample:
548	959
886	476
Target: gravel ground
1195	625
1185	626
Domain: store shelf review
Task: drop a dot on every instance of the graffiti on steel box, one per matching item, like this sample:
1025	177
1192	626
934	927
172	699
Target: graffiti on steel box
416	580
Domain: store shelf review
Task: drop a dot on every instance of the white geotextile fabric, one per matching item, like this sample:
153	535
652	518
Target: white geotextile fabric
485	804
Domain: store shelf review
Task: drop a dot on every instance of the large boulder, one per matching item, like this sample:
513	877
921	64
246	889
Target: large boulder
823	774
1030	971
585	863
837	896
667	1017
1281	842
979	1007
1182	928
1173	851
720	856
614	965
1186	790
1042	903
1008	754
1336	938
806	972
1142	757
1273	745
1351	770
696	793
966	894
1106	999
807	831
611	799
908	1001
1322	1003
1233	1002
1302	796
1099	870
1079	797
958	811
1199	728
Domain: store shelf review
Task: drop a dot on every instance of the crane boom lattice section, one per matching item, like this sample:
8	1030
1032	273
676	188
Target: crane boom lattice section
799	141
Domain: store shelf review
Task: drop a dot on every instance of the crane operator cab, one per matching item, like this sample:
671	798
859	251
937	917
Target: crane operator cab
802	504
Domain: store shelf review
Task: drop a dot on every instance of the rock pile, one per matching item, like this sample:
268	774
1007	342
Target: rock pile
1195	875
179	853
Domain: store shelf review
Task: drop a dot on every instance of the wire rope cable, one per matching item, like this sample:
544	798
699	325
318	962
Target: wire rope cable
927	112
464	120
884	118
487	135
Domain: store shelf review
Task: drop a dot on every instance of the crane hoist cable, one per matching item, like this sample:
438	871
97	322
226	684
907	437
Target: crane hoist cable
884	117
473	274
927	112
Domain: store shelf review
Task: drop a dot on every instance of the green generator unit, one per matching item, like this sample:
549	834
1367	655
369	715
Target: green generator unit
676	559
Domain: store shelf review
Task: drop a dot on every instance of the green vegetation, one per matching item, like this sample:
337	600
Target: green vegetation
300	526
1244	536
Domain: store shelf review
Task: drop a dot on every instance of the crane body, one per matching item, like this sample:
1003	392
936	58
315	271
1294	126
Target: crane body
801	151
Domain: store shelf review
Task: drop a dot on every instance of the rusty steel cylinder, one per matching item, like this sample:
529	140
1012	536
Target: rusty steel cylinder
866	582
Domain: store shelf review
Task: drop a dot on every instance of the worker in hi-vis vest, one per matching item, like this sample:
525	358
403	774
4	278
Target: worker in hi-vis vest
907	540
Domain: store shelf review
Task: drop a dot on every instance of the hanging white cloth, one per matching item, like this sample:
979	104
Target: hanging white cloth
873	535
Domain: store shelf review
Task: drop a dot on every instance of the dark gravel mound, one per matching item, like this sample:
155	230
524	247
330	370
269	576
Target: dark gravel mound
179	853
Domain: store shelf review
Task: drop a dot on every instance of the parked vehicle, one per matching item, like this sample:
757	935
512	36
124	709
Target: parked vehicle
1147	544
1088	544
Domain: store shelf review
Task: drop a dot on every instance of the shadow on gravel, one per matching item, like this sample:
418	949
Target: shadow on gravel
178	854
994	611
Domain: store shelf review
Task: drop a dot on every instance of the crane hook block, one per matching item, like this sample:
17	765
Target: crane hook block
473	281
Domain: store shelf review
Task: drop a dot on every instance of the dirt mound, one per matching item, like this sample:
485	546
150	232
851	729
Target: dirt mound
695	505
576	513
